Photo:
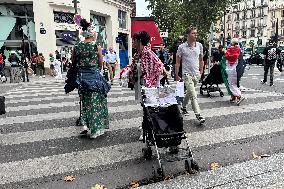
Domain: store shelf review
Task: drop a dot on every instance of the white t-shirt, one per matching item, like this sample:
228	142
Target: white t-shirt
190	58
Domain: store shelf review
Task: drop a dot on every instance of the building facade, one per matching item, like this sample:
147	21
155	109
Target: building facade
253	22
45	26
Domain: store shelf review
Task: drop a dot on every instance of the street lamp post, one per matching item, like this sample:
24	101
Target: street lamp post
258	36
224	29
75	2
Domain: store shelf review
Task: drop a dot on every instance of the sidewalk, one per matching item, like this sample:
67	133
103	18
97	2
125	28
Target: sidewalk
267	173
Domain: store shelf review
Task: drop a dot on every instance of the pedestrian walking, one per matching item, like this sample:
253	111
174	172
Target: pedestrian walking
93	88
14	60
40	65
145	62
163	54
218	55
205	59
51	65
111	59
191	55
2	64
146	68
229	71
271	54
34	63
174	51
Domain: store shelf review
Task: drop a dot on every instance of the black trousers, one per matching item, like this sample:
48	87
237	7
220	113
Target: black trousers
269	65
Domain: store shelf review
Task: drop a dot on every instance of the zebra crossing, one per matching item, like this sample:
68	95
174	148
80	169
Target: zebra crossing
39	141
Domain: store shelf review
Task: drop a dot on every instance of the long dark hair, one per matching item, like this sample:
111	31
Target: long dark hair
142	36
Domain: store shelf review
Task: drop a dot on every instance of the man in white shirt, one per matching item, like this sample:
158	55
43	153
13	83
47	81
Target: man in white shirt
191	55
111	59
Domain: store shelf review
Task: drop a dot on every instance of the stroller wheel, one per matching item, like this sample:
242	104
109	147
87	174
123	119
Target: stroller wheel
158	173
195	166
191	166
161	172
147	153
201	91
221	94
78	122
188	166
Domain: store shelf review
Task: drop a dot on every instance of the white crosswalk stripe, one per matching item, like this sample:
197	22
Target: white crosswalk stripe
45	109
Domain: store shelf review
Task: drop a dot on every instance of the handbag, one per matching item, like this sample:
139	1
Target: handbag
91	80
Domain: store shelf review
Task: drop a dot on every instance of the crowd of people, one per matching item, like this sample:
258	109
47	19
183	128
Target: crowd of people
35	65
185	62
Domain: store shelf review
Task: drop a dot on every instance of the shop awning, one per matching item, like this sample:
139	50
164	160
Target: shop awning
147	24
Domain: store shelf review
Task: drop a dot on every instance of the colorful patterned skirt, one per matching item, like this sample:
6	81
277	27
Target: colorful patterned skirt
94	111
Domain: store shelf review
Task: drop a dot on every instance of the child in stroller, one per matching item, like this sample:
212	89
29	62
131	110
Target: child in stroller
163	128
212	81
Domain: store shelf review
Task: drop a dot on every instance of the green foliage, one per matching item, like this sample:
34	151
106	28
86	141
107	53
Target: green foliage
176	15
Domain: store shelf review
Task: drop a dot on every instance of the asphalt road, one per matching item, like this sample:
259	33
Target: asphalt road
39	141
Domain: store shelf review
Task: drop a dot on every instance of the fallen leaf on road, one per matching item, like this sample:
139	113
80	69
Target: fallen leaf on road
69	178
169	177
255	156
214	165
98	186
134	184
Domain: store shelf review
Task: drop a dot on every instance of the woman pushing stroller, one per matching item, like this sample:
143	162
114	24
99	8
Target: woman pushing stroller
229	71
146	62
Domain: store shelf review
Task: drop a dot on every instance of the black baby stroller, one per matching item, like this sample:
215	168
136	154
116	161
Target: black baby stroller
163	128
212	81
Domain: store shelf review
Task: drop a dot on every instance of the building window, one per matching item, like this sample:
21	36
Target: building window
17	23
63	17
282	13
244	34
100	24
273	14
282	23
122	19
252	33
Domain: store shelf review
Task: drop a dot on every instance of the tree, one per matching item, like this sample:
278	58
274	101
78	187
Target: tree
177	15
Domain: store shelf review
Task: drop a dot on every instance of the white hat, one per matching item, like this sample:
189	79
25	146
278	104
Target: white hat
235	41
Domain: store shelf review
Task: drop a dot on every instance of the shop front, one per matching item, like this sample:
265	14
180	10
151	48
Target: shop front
17	34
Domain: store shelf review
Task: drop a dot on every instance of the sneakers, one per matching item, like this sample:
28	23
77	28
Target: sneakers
97	134
85	130
263	82
200	118
184	111
271	85
240	100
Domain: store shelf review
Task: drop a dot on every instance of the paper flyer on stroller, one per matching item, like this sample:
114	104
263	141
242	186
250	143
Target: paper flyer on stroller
159	96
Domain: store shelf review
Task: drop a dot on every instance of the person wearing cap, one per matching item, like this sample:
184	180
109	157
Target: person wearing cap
229	71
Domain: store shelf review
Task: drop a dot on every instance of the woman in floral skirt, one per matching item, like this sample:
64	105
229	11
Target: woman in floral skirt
88	57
